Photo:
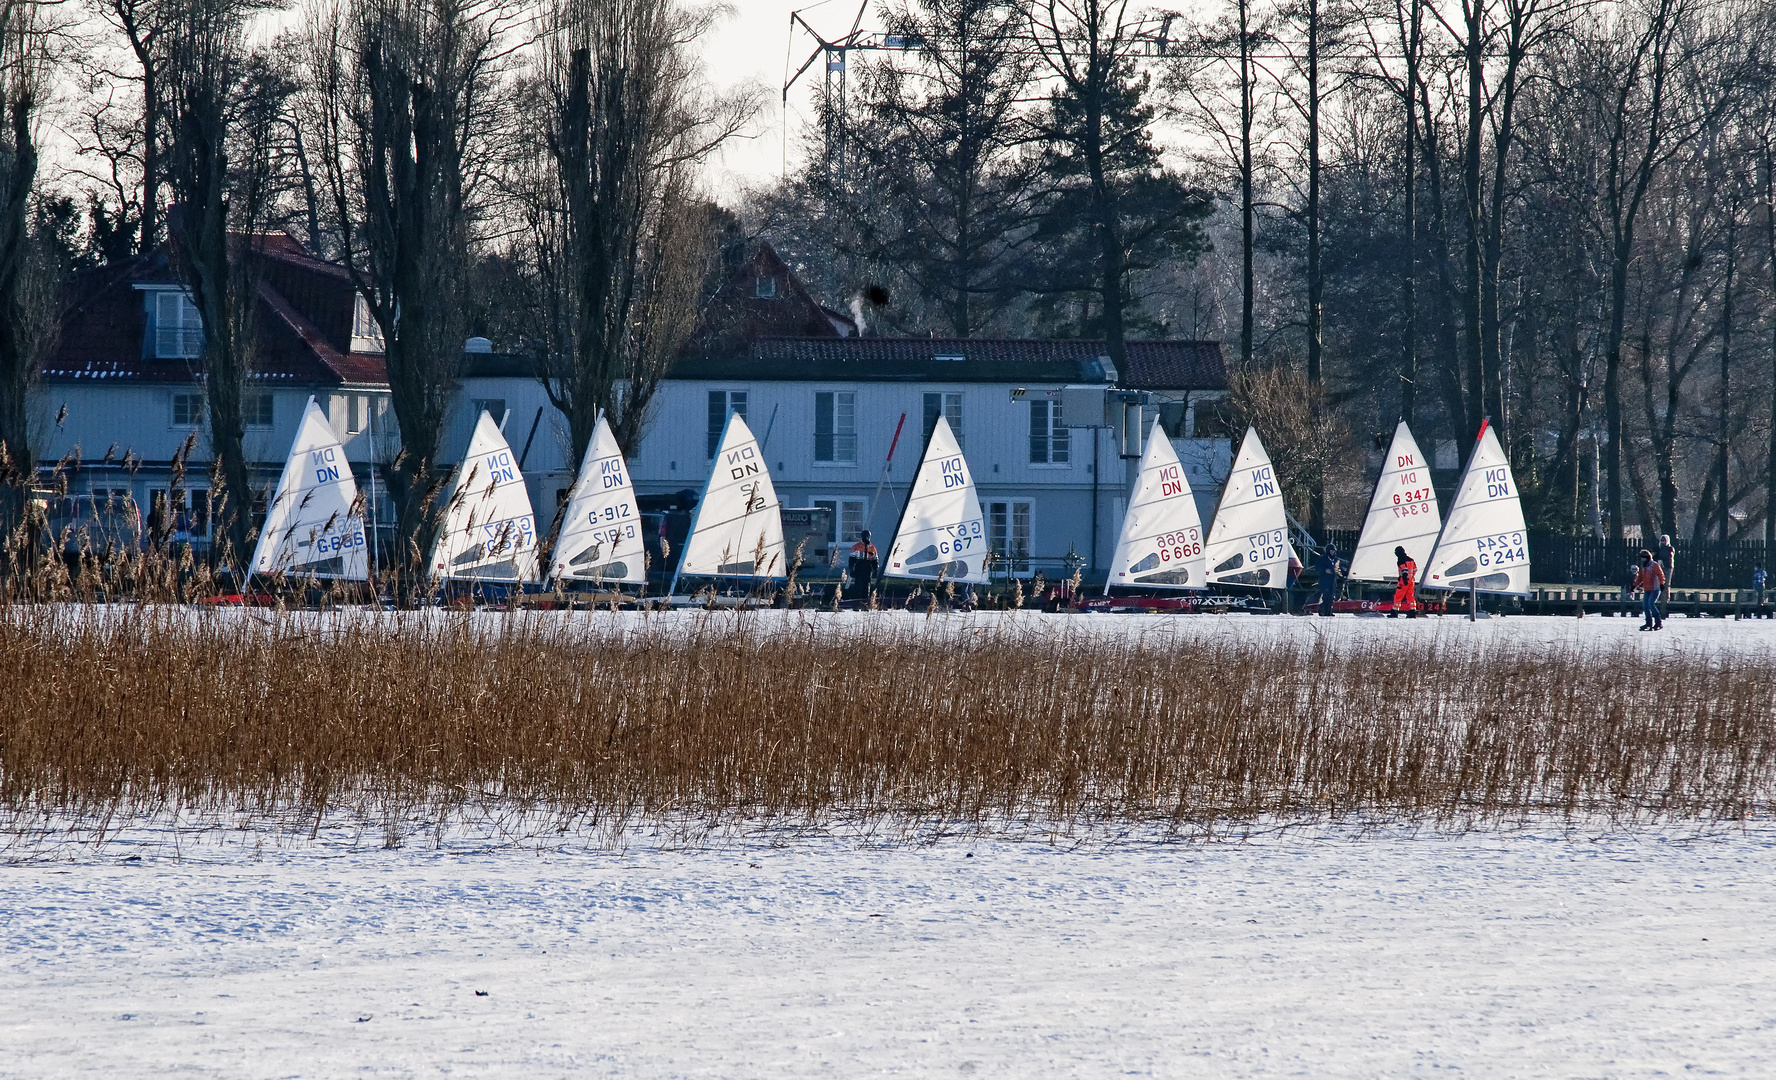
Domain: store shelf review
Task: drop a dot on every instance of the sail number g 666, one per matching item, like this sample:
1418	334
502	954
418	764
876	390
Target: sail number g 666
1184	544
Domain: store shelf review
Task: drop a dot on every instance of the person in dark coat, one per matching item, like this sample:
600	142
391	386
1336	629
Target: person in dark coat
862	566
1329	567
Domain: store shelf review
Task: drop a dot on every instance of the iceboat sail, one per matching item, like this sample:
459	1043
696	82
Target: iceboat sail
1483	543
1162	542
488	532
738	529
1402	513
1249	541
600	537
314	527
941	535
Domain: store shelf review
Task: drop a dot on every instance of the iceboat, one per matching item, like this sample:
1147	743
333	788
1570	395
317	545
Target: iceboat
314	527
1402	513
488	534
1483	545
1249	540
737	531
600	540
941	536
1161	544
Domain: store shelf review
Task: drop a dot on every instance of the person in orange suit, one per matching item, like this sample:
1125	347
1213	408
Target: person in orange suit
1406	591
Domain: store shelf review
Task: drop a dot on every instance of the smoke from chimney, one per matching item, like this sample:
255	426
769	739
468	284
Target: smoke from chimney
857	314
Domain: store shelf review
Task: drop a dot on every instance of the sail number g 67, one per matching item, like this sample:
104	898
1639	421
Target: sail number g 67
1184	544
962	537
1505	549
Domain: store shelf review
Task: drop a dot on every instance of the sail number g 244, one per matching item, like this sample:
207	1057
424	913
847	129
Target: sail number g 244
1505	549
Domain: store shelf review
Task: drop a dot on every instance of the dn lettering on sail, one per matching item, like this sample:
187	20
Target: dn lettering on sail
611	474
326	465
1498	482
500	469
1263	482
742	463
1171	481
954	476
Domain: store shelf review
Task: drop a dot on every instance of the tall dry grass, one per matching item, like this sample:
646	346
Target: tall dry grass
714	719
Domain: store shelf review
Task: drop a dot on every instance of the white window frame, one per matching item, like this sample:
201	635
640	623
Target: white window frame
839	505
197	410
950	408
841	410
366	336
733	401
178	325
1057	437
249	417
1001	522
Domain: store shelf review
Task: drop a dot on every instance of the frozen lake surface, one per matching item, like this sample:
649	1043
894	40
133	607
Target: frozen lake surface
1542	951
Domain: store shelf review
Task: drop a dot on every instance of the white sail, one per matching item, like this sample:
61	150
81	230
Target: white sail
1249	541
1403	513
1483	543
941	535
601	530
313	526
738	531
1162	542
488	532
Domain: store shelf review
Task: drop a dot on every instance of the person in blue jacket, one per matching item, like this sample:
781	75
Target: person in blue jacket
1329	567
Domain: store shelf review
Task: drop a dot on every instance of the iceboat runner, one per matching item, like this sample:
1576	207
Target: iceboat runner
314	525
487	542
736	535
1249	541
941	539
1483	545
600	541
1403	513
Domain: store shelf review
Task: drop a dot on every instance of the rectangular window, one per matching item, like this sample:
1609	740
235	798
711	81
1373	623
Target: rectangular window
835	427
721	403
257	411
357	413
949	406
178	328
366	331
188	410
1050	441
765	288
183	514
1008	535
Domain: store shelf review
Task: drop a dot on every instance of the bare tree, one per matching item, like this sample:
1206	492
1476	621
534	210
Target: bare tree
630	122
401	96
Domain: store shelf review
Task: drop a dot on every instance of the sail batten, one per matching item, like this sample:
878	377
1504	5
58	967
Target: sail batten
738	529
600	539
941	536
1161	545
1402	513
489	531
1484	544
1249	540
313	527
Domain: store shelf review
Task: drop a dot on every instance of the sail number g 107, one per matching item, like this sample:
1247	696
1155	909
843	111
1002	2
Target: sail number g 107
1265	547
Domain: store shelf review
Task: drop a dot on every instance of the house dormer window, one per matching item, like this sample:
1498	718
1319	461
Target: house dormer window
366	331
765	288
178	328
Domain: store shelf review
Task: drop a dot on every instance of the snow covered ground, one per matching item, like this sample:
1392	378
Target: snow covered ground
1319	953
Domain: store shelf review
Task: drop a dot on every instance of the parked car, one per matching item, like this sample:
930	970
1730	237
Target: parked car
103	526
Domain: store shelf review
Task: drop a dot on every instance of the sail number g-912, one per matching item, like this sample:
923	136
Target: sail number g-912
1505	549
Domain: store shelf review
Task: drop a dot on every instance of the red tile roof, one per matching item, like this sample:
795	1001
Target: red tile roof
302	325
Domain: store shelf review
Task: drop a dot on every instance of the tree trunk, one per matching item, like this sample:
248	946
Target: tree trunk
1247	285
18	353
1316	495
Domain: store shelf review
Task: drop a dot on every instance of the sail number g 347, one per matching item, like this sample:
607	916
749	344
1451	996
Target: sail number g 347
1414	501
1184	544
1505	549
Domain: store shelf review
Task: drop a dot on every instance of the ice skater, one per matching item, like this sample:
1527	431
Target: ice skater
1650	580
1406	590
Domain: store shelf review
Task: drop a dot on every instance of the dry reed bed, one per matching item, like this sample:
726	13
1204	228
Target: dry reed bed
136	710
